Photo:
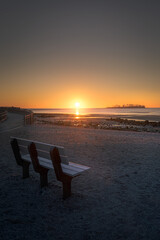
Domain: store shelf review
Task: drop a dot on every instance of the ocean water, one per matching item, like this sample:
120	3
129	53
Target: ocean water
151	114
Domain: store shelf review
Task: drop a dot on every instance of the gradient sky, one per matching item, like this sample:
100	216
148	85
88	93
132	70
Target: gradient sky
96	52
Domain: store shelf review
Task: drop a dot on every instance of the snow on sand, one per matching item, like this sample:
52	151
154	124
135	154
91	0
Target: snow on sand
118	198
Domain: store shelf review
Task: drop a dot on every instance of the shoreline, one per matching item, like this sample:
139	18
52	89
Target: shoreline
97	122
150	114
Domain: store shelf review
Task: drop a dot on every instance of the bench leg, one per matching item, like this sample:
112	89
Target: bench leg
67	188
44	179
25	167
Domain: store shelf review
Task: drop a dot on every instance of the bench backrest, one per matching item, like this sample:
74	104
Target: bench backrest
43	149
16	151
56	160
34	157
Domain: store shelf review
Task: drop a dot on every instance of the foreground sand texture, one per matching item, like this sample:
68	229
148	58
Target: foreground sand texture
117	199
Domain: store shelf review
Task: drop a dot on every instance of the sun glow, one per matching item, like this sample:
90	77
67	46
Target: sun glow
77	104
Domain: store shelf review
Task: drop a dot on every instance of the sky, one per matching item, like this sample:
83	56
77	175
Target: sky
99	53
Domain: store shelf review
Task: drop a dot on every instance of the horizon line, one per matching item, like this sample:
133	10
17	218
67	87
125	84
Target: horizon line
65	107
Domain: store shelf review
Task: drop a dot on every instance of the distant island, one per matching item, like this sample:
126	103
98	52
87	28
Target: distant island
128	106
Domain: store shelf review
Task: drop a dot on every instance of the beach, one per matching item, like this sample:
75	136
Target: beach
118	198
98	121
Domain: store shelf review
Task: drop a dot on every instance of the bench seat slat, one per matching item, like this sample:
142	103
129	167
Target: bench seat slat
26	157
79	166
75	172
67	169
76	169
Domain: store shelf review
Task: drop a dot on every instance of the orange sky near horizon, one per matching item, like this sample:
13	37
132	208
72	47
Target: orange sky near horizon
90	89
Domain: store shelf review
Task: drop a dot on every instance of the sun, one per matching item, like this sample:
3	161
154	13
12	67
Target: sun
77	104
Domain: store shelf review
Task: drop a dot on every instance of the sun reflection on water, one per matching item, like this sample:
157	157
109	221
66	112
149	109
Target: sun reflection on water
77	105
77	114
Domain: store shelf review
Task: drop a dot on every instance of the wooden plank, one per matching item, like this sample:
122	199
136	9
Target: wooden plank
39	145
67	169
26	157
23	145
70	172
73	169
48	164
46	155
47	147
43	154
23	142
23	149
79	166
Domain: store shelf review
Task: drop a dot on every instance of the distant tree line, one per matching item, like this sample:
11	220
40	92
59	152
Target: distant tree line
128	106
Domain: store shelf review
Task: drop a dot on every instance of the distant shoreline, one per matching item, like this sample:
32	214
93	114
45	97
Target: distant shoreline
128	106
125	107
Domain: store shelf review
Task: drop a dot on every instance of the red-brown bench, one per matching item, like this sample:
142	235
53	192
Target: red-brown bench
45	156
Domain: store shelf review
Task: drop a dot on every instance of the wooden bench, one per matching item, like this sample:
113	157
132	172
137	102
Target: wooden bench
44	157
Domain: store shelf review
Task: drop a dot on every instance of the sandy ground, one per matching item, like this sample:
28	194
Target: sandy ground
118	198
